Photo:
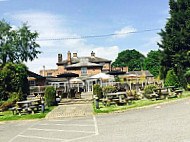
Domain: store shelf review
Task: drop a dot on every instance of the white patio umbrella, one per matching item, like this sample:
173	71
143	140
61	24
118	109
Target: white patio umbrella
131	76
76	80
102	76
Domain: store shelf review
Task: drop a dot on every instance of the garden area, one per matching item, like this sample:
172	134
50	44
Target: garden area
8	115
110	98
135	104
16	103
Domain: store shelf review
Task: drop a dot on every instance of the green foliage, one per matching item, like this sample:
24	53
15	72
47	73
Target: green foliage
12	79
17	45
50	96
130	58
8	115
149	89
14	96
187	75
171	79
175	43
7	104
188	87
109	89
97	90
1	102
152	62
117	79
21	95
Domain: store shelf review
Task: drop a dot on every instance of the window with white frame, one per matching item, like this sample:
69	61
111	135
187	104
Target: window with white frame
84	71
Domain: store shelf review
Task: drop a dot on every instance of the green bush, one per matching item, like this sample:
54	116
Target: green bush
14	96
149	89
20	96
97	90
7	104
13	78
109	89
50	96
188	87
1	102
171	79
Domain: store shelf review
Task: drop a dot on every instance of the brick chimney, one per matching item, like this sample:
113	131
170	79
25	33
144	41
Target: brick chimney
75	55
69	58
59	58
125	69
92	54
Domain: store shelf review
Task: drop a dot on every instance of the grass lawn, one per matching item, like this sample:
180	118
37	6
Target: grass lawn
7	115
134	104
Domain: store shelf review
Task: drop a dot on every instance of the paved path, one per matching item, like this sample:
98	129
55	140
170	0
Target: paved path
163	123
72	110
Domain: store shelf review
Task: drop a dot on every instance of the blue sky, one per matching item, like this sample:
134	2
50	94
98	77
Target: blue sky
75	18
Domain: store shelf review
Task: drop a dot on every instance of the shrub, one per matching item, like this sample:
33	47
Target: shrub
1	102
109	89
13	77
135	94
14	96
21	95
50	96
188	87
149	89
171	79
97	90
7	104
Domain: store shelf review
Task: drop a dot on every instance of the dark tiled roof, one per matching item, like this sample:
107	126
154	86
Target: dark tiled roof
55	79
83	64
35	75
139	73
75	60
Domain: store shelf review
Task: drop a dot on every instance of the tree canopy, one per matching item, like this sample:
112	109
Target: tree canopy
171	79
17	45
131	58
175	43
13	78
152	62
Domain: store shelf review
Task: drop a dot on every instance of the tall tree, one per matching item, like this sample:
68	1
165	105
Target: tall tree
13	78
152	62
131	58
17	45
175	43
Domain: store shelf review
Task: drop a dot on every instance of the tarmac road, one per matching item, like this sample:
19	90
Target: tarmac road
162	123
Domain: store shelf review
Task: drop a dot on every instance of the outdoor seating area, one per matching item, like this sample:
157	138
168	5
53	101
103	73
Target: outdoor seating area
111	95
116	98
165	92
28	106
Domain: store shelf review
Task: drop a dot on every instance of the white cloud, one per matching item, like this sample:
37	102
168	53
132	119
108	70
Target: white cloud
37	64
124	32
52	26
3	0
151	44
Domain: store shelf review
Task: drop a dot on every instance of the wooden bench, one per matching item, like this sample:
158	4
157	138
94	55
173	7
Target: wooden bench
177	93
31	108
13	109
115	98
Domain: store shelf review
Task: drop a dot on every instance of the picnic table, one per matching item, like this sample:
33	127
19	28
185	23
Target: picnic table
165	92
28	105
161	93
173	91
116	98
